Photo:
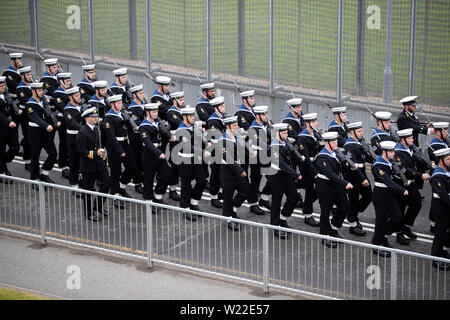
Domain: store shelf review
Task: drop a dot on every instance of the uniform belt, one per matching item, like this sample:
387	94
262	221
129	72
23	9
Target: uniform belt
59	114
122	138
173	131
360	165
157	144
72	131
32	124
311	158
435	195
321	176
21	106
48	97
13	95
185	155
380	185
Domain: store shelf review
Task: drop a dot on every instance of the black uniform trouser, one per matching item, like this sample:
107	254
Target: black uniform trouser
40	139
388	218
231	183
74	163
310	192
8	138
88	183
214	180
63	154
174	171
25	143
189	172
280	187
359	199
326	201
151	168
255	181
414	204
136	148
441	234
115	162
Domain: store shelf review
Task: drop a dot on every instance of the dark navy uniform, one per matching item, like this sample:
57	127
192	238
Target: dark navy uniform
23	95
138	115
295	125
340	129
101	105
72	118
165	103
435	144
377	137
245	117
174	118
51	84
215	122
204	109
13	79
87	90
116	89
60	100
8	135
408	120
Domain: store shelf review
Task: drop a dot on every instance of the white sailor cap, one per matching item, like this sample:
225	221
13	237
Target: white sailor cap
151	106
2	79
409	100
100	84
115	98
207	86
405	132
248	93
230	120
24	70
388	145
73	90
383	115
187	111
137	88
90	112
178	94
280	126
310	116
36	85
16	55
218	101
442	152
440	125
51	61
120	72
162	80
354	125
330	136
339	109
260	109
88	67
294	101
64	75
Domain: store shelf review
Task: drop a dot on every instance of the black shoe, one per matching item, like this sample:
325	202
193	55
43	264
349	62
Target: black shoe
407	231
119	204
432	229
265	203
329	243
139	188
284	224
190	216
124	193
20	153
161	201
311	222
402	239
381	253
357	231
46	178
256	210
335	233
65	173
28	166
94	218
194	207
233	226
444	266
280	234
174	195
216	203
220	196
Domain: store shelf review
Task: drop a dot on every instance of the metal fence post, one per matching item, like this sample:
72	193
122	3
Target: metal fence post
360	48
132	28
265	259
387	74
393	276
37	40
208	40
91	30
339	53
42	213
412	47
271	48
148	214
148	40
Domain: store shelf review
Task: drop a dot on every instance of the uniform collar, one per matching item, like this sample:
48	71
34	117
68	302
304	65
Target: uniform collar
380	160
334	124
71	106
351	140
133	104
173	108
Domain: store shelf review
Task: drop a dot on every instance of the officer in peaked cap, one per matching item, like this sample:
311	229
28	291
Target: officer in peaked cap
440	205
41	133
161	95
283	181
382	130
245	112
8	131
92	165
118	149
87	89
49	78
121	86
60	100
339	124
388	217
203	107
232	175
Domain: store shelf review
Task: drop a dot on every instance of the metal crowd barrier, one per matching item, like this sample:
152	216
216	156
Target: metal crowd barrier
300	263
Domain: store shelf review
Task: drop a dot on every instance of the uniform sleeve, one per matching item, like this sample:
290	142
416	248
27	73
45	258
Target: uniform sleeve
202	112
147	141
108	128
243	123
59	102
285	166
71	122
235	167
438	186
323	167
385	178
34	117
410	173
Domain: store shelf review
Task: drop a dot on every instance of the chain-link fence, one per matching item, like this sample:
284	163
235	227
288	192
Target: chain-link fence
327	47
